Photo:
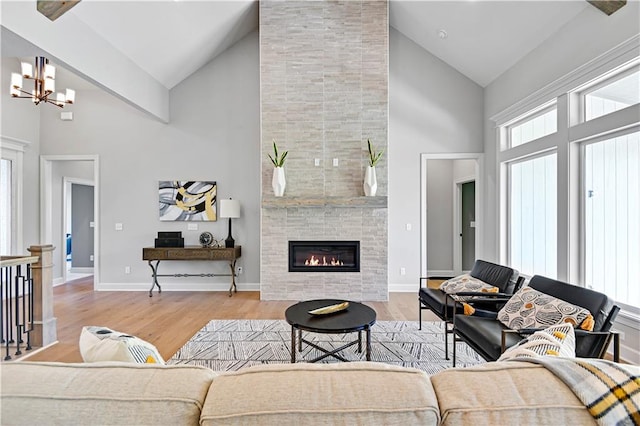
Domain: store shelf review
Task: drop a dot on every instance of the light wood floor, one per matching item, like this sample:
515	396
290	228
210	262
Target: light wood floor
169	319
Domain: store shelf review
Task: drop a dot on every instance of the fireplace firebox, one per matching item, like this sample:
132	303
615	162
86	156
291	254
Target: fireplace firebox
324	256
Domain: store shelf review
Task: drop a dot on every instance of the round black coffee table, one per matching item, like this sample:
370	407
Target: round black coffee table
357	317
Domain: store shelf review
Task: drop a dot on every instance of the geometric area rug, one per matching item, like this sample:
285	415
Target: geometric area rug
228	345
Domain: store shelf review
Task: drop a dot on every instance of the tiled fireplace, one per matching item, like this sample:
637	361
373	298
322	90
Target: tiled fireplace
324	92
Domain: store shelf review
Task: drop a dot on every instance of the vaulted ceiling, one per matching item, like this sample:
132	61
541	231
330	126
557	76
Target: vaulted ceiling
166	41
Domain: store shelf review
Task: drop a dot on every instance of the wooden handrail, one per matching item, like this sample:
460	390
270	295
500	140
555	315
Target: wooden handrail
17	260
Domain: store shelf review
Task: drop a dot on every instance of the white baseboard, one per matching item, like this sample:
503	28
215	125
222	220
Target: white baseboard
81	270
403	288
58	281
441	273
186	286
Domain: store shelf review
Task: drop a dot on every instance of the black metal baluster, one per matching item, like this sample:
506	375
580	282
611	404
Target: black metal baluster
30	312
16	280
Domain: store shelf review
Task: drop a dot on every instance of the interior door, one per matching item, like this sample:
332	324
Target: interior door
468	225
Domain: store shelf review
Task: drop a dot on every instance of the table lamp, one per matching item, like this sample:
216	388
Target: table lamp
229	209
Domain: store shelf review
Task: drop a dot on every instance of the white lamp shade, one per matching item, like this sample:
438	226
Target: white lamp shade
27	69
16	80
14	92
49	71
49	85
71	96
60	98
230	208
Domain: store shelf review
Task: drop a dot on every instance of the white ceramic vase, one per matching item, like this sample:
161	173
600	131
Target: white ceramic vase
370	182
278	182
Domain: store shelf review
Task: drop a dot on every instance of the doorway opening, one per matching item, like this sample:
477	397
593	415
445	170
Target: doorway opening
69	196
450	217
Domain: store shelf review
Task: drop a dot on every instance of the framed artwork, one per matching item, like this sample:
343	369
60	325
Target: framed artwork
188	200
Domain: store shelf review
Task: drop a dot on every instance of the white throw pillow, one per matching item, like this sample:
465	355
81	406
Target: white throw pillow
557	340
103	344
466	282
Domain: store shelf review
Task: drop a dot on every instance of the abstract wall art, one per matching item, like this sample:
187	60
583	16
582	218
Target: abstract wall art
187	200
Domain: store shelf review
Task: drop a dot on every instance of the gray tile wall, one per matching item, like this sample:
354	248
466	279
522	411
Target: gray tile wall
324	92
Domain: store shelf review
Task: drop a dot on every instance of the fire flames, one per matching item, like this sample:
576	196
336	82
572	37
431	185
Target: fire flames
315	261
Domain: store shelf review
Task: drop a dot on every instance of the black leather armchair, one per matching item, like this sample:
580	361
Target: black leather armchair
489	337
434	299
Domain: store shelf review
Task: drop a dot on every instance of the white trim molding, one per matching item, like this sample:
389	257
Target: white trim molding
13	149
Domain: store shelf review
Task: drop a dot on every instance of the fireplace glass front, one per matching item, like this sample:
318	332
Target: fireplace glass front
324	256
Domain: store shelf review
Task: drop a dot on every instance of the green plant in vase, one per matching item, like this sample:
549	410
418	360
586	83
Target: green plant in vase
278	181
370	181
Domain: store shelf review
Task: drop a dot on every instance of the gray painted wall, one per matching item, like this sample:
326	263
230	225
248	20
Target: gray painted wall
440	215
214	135
432	109
81	230
60	170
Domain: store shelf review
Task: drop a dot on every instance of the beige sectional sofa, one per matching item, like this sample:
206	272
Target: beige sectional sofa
365	393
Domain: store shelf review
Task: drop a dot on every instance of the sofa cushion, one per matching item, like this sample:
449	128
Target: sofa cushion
466	282
530	308
557	340
103	344
519	394
300	394
109	393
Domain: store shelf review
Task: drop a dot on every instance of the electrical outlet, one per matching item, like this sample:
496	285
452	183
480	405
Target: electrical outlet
239	269
403	271
316	162
91	257
192	227
127	269
118	227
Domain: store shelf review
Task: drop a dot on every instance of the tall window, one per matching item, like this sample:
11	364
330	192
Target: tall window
532	216
5	206
612	218
612	96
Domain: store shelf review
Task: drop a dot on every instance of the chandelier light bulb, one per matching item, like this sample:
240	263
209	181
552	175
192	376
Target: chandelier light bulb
14	92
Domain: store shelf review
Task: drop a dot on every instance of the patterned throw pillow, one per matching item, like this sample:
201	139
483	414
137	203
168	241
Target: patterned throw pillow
103	344
529	308
557	340
466	282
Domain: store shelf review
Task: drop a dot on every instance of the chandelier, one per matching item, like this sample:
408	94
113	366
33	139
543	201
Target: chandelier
44	84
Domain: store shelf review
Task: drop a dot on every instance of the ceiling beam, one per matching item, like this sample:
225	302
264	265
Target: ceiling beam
608	6
55	9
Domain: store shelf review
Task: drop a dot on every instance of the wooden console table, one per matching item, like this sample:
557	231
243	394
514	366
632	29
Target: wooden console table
157	254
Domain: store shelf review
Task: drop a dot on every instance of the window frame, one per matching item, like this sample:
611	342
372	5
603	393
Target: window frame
603	81
530	115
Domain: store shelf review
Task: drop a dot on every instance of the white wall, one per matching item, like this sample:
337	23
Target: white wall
432	109
214	135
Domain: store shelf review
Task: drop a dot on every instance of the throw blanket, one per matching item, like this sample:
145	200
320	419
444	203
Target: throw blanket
610	391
